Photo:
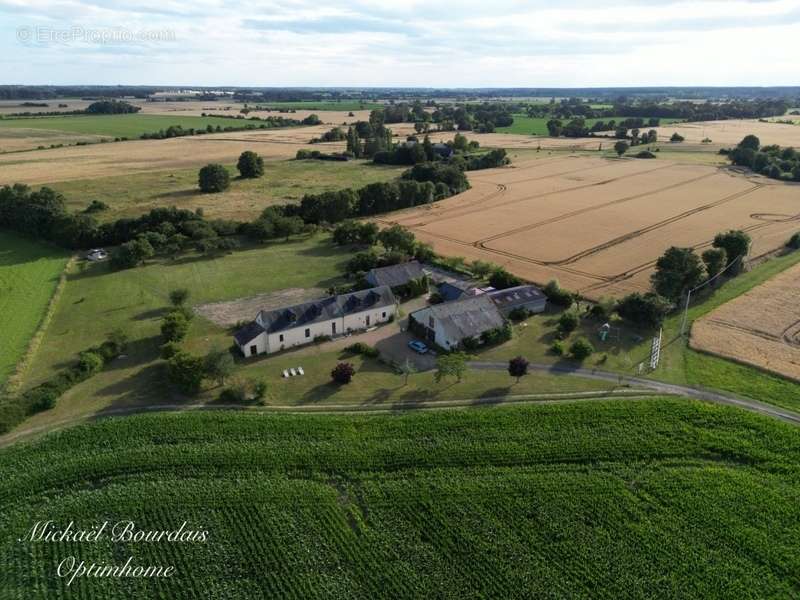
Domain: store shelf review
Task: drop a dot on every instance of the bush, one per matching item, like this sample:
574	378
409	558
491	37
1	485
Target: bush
169	349
794	241
497	335
644	310
676	138
581	349
518	367
501	279
250	165
174	326
556	295
557	348
362	349
343	373
519	314
178	297
186	372
90	362
567	323
645	154
213	178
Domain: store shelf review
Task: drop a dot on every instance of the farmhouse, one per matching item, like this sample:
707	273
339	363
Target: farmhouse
522	296
282	328
449	324
396	276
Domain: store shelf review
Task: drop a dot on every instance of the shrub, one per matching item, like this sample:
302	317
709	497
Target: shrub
234	394
518	367
645	154
213	178
362	349
794	241
581	349
676	138
501	279
556	295
567	323
90	362
343	373
644	310
174	326
178	297
557	348
169	349
497	335
186	372
519	314
259	389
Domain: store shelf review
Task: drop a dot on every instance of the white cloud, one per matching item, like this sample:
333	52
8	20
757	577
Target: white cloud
373	43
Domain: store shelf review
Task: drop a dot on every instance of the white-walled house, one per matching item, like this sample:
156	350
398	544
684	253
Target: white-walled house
283	328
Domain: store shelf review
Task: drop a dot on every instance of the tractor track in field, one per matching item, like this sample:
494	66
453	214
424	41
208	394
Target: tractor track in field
460	213
588	209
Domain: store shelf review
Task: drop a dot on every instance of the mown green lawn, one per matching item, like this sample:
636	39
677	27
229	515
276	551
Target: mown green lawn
29	274
97	300
128	126
538	125
283	181
679	363
637	499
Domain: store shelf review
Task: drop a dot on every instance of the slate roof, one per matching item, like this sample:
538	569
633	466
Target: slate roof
248	332
468	317
395	275
517	296
314	311
453	290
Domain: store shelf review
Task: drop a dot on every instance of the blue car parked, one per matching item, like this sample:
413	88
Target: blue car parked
418	347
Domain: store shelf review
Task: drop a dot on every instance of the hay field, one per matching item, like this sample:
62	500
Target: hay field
100	160
730	133
598	225
760	328
138	156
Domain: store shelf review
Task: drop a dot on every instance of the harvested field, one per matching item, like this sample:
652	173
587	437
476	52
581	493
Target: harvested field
137	156
760	328
729	133
598	225
231	312
100	160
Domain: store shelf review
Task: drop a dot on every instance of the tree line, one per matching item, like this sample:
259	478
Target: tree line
772	160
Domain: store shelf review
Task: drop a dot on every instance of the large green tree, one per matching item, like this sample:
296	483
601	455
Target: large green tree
250	165
213	178
736	244
677	271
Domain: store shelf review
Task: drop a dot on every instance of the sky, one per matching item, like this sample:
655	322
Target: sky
486	43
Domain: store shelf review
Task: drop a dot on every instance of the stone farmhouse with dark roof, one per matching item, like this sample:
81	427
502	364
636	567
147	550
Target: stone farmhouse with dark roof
275	330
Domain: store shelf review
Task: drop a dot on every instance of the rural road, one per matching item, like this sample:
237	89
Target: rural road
658	386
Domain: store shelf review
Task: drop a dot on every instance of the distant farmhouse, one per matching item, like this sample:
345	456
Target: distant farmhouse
276	330
449	324
397	276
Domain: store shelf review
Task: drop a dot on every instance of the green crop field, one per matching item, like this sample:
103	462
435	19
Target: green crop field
636	499
283	181
29	274
538	125
129	126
